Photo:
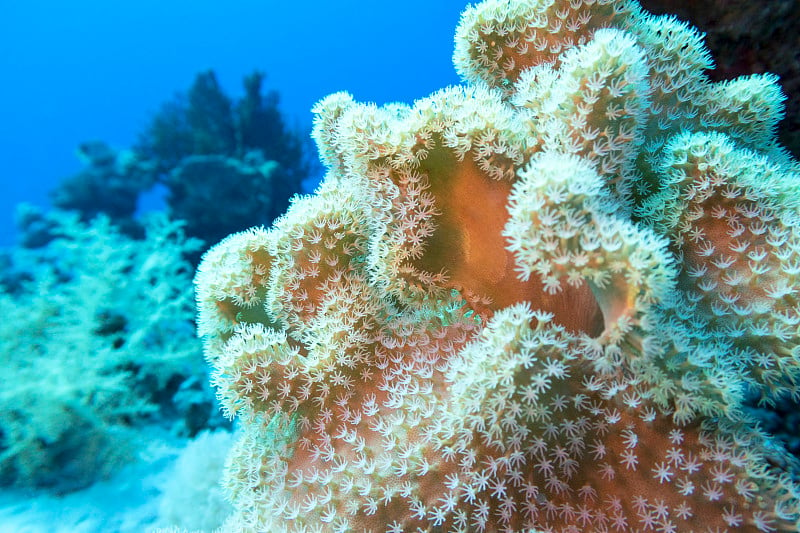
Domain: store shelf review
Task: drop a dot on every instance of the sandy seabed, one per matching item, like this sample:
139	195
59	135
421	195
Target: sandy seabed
128	502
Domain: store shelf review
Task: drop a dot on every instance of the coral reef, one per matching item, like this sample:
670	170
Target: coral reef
534	302
96	337
254	188
111	183
207	122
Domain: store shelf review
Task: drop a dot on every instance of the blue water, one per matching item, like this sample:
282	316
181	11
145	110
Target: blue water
94	69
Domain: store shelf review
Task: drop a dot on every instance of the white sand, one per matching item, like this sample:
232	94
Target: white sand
126	503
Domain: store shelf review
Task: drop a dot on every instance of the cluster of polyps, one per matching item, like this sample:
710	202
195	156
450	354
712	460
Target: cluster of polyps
524	303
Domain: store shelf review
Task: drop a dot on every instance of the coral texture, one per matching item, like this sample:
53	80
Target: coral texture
748	37
533	302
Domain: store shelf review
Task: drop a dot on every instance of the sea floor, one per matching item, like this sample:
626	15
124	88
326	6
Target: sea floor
128	502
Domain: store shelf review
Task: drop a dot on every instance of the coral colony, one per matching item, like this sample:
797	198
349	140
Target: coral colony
533	302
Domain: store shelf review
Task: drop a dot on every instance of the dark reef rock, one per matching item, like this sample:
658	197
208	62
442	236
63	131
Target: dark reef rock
111	183
218	195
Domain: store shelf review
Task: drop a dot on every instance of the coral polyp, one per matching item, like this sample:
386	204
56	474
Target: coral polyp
533	302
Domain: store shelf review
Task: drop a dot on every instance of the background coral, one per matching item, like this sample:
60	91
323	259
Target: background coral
97	337
532	302
254	188
198	123
111	183
198	142
100	292
242	154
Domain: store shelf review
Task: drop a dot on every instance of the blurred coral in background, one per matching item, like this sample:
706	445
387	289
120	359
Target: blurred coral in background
97	337
202	148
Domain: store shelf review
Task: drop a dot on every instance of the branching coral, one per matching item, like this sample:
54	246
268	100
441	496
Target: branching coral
530	303
94	333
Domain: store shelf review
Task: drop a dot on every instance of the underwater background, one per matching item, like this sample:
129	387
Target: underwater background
123	127
92	70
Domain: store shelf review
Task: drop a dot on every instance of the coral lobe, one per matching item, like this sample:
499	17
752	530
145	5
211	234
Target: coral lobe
530	303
